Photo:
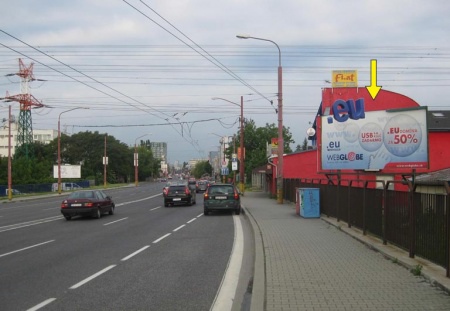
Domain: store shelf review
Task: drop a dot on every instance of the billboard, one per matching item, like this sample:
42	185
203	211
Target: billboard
67	171
375	140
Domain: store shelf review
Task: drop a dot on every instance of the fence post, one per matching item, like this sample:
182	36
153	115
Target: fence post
412	218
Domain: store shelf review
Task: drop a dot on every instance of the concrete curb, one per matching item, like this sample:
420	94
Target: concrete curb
258	299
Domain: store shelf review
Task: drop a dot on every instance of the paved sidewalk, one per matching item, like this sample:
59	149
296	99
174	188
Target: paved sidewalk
318	264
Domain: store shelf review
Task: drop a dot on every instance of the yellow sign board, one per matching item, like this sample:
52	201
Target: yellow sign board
344	78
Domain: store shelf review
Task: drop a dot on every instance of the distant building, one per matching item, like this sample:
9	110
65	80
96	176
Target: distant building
159	150
43	136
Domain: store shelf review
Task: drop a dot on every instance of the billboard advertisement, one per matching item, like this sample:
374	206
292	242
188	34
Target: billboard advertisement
67	171
375	140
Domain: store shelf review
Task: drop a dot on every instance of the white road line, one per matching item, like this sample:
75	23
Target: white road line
191	220
227	290
33	222
200	215
42	304
46	209
135	253
91	277
155	208
140	200
163	237
25	248
108	223
175	230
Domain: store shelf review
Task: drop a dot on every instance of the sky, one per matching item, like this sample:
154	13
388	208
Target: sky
150	69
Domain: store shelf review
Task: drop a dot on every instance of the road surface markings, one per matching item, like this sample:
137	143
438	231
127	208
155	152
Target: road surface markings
161	238
42	304
92	277
200	215
155	208
191	220
29	223
25	248
135	253
175	230
108	223
227	290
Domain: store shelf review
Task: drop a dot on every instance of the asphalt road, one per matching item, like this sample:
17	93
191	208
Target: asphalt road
144	257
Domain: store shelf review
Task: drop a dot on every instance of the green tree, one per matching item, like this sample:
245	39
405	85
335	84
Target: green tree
255	143
202	168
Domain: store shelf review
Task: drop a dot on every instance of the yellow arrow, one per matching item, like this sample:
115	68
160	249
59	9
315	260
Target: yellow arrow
373	88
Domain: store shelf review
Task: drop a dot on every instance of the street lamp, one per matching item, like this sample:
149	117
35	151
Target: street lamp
241	142
280	120
136	160
59	145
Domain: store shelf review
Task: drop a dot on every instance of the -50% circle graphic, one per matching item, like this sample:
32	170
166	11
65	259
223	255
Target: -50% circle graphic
402	135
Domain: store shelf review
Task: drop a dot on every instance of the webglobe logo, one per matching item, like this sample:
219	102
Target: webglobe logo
351	156
344	110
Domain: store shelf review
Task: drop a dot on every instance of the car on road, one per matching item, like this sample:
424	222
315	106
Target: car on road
178	194
201	185
192	184
93	203
222	197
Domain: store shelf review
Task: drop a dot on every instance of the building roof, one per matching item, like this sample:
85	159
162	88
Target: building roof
434	178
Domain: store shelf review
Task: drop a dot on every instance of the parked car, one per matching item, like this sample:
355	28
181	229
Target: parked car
87	202
222	197
13	192
178	195
66	186
201	185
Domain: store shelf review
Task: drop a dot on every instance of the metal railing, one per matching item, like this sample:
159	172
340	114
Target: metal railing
416	222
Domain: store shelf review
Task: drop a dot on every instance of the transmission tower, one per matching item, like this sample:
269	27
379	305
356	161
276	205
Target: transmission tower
27	102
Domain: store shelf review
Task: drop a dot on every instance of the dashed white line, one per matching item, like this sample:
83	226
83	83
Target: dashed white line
25	248
91	277
200	215
155	208
108	223
175	230
163	237
42	304
135	253
191	220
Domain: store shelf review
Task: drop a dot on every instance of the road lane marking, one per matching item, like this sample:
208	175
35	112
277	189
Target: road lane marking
140	200
227	289
200	215
29	223
175	230
161	238
108	223
155	208
42	304
91	277
25	248
46	209
135	253
191	220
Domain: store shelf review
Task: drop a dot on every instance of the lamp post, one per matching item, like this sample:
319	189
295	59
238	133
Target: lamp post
241	143
136	160
280	120
59	146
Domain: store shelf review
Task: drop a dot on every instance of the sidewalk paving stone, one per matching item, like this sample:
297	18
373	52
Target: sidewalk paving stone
317	264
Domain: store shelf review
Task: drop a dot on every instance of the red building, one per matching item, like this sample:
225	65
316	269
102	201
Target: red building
310	165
